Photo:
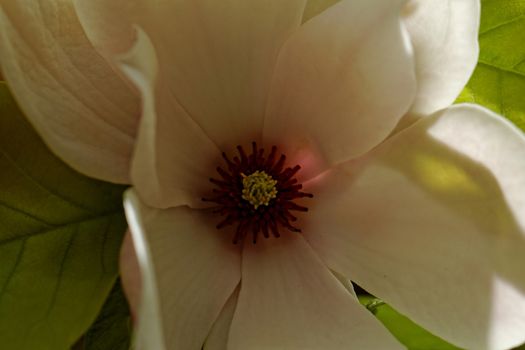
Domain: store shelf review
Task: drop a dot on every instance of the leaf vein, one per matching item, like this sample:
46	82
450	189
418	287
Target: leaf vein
41	186
517	64
8	206
52	302
57	227
499	25
13	269
507	70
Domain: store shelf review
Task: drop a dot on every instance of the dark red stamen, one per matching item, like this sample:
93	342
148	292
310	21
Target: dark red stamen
265	219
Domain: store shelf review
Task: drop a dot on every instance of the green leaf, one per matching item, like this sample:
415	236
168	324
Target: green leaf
60	234
406	331
112	329
498	82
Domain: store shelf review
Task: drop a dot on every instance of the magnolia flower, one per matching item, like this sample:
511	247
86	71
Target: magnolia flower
419	202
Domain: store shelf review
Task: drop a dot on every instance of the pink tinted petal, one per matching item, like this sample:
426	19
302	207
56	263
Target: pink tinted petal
130	274
188	274
290	300
173	157
432	222
444	34
342	82
83	110
216	58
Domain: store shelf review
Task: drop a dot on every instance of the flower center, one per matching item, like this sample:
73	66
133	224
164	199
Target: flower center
258	188
261	202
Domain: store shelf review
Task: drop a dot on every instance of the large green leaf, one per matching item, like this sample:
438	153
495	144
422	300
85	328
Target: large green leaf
59	240
499	79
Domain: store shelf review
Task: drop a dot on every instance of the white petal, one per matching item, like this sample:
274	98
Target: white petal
173	157
218	337
188	273
290	300
430	222
444	34
217	60
342	83
83	110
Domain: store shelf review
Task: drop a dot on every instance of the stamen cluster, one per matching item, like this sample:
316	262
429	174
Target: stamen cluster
240	203
258	188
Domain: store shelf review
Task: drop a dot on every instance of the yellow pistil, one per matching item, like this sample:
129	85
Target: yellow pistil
258	188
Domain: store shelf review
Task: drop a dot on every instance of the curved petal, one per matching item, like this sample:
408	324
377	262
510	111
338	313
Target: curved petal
444	34
130	276
188	274
110	24
432	222
290	300
218	337
217	60
173	157
83	110
342	82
